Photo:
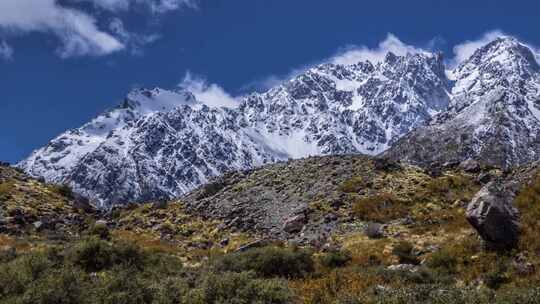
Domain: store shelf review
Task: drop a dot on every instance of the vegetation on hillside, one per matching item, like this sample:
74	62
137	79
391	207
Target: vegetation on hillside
401	237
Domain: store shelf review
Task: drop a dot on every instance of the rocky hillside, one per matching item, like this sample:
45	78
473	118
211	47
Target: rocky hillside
318	230
311	199
34	214
494	115
28	205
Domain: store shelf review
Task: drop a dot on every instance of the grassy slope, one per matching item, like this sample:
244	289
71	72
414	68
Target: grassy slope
441	240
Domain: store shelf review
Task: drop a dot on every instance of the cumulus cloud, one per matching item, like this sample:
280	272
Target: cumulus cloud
76	28
210	94
6	51
356	54
465	50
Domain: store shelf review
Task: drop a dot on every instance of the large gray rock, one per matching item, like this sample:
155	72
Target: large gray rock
295	223
492	214
470	165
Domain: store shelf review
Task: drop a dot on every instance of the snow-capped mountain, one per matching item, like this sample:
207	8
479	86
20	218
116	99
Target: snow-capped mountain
494	114
161	144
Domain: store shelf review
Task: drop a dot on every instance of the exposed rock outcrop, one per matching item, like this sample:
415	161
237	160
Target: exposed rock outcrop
492	214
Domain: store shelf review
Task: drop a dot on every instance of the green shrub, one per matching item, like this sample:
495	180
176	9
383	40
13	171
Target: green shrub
92	255
59	286
63	190
171	291
164	265
497	277
528	203
242	287
380	208
19	273
66	275
404	251
335	259
7	255
100	230
124	286
421	276
5	191
268	262
353	185
443	261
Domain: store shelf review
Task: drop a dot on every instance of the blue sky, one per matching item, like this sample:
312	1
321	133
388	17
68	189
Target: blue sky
67	61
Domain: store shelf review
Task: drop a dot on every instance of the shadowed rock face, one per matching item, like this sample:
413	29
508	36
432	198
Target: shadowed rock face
492	214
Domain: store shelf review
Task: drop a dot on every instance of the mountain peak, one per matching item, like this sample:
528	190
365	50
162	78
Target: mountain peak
156	99
502	54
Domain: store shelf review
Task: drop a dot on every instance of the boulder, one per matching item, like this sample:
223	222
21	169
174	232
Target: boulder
494	217
374	231
522	266
295	224
38	225
403	267
101	223
470	166
450	165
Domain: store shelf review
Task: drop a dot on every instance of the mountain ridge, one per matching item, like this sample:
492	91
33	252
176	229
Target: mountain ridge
330	109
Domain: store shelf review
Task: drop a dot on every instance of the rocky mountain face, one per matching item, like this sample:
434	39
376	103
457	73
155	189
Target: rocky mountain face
160	144
494	114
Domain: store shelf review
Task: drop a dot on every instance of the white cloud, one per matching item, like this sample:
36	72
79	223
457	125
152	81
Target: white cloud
356	54
156	6
76	30
163	6
210	94
111	5
6	51
77	27
465	50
